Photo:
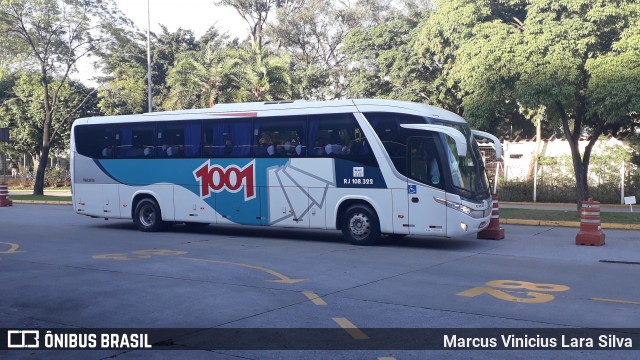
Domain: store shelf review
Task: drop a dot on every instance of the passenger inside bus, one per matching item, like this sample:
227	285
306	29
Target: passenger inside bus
424	162
319	147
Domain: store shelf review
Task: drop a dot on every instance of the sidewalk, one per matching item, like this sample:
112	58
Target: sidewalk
46	192
562	206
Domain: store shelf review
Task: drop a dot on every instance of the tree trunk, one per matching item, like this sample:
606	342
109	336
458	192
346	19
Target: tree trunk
38	185
580	167
582	183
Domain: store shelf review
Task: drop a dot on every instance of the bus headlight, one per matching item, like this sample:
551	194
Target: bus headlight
476	214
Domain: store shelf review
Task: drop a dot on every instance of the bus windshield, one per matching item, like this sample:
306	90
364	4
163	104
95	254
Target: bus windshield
469	176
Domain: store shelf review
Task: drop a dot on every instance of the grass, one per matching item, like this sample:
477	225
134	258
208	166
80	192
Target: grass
39	197
561	215
30	188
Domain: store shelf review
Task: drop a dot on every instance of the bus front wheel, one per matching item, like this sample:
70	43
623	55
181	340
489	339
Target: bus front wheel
148	216
360	225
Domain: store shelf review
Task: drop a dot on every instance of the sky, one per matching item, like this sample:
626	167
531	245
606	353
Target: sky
196	15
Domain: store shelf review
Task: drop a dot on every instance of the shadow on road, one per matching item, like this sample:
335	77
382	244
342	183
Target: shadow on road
323	236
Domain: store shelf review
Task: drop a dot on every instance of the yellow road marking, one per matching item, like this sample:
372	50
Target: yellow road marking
282	278
13	248
160	252
617	301
314	298
120	256
350	328
535	297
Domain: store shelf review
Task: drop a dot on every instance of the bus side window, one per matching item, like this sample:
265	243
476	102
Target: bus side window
227	138
137	141
107	143
279	137
178	139
94	141
339	136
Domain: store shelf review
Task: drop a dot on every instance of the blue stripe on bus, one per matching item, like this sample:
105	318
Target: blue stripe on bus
141	172
239	205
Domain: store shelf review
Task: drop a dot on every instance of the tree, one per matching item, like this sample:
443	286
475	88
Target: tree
311	33
23	113
52	35
255	14
267	75
202	79
575	58
126	93
128	53
166	47
384	60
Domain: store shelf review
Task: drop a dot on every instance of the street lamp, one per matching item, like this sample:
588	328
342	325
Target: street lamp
149	56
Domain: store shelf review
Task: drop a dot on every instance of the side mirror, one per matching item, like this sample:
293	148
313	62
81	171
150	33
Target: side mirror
457	136
496	142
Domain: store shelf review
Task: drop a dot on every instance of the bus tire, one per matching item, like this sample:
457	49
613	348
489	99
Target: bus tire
148	217
360	225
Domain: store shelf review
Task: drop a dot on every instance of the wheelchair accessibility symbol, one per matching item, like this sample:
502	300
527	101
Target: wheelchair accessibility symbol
412	189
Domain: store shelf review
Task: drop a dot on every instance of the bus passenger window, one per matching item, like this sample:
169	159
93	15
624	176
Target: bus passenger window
423	162
178	139
279	136
95	141
227	138
137	141
339	136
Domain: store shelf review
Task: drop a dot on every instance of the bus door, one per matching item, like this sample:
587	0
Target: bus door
426	177
425	183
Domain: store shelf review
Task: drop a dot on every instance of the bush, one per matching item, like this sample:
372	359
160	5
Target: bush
55	177
515	191
562	192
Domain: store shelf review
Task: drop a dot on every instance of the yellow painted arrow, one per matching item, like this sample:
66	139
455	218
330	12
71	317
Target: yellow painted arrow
282	278
13	248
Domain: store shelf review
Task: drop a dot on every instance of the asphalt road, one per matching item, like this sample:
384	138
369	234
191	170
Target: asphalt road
59	269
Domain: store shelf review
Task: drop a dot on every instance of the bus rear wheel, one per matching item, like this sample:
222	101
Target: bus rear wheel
148	217
361	226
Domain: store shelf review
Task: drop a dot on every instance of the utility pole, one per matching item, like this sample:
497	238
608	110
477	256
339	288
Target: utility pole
149	56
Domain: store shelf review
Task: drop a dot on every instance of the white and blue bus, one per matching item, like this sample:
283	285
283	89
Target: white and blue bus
365	167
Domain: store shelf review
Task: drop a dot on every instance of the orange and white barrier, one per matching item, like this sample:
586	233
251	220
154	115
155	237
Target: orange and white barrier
4	195
493	231
590	227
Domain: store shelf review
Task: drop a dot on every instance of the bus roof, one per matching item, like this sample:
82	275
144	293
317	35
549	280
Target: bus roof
289	107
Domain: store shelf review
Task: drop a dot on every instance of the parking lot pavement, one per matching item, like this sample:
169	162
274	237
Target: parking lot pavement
63	270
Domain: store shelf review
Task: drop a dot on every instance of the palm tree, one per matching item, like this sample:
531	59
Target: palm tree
202	79
267	74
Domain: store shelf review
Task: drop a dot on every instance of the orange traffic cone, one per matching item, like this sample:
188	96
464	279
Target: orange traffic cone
590	228
493	231
4	195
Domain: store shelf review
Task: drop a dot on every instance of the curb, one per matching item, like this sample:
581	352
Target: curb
575	224
42	202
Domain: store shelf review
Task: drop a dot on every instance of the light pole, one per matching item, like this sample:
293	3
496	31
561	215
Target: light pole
149	56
